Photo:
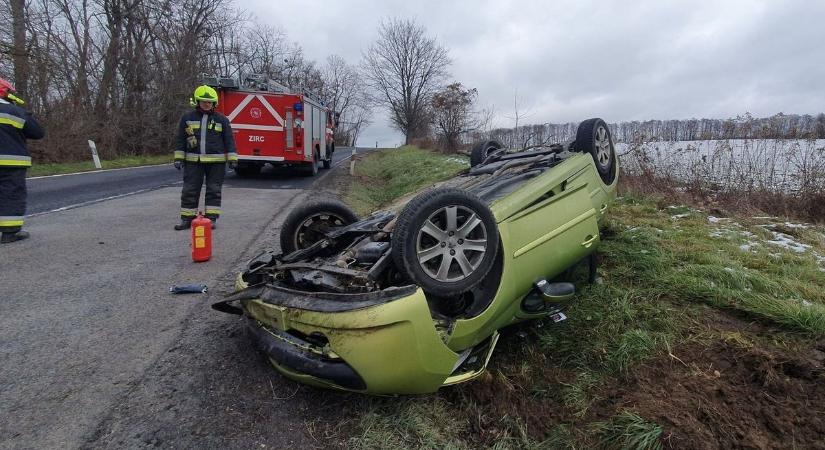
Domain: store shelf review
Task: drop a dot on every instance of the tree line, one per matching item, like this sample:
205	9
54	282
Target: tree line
778	126
120	72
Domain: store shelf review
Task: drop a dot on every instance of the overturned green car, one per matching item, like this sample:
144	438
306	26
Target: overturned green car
406	302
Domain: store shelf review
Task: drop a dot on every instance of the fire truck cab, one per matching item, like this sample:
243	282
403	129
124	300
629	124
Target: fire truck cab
274	125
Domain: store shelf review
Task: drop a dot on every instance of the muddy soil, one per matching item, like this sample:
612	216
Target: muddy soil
709	394
729	394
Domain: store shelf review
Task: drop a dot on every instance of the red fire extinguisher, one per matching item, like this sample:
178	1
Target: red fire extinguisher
201	239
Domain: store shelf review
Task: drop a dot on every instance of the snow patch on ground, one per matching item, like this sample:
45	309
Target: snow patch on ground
731	230
747	247
783	240
803	226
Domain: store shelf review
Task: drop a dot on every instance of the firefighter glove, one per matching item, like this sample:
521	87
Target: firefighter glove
178	164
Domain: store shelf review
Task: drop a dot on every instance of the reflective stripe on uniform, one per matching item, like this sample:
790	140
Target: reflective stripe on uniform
11	221
188	212
207	158
8	119
213	158
194	124
15	160
217	127
179	154
212	211
231	156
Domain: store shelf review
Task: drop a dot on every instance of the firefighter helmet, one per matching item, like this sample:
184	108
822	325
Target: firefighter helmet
7	92
6	88
205	93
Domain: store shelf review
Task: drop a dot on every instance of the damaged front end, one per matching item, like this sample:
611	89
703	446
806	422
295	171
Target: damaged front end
337	314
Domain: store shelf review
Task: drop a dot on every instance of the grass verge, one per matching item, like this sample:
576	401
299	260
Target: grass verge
85	166
389	174
684	298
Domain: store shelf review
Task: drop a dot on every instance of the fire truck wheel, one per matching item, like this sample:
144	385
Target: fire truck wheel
247	171
328	161
311	169
306	224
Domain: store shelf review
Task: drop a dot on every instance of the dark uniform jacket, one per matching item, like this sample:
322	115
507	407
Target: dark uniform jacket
16	125
213	141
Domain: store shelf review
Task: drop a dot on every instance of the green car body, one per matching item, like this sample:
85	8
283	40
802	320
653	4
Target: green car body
391	341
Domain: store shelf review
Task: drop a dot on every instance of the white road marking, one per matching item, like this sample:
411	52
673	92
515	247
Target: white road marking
91	202
96	171
140	191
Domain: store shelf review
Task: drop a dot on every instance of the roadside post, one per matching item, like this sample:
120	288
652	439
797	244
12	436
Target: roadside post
352	162
95	158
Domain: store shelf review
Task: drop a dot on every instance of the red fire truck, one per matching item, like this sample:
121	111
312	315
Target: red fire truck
274	125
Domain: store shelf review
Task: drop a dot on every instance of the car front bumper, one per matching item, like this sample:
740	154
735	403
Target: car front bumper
391	346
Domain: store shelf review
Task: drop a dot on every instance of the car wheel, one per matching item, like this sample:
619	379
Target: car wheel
482	150
593	136
445	240
306	224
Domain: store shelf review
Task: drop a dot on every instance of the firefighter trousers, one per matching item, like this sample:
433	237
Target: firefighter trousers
12	198
194	175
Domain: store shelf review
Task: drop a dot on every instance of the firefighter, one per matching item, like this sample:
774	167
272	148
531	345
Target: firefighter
16	125
204	146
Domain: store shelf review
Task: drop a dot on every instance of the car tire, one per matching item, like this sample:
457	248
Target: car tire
593	136
305	224
425	244
482	150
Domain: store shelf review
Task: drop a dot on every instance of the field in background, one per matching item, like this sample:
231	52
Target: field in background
777	165
701	332
778	176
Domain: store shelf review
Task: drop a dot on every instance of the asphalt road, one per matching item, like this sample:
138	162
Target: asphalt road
50	193
96	353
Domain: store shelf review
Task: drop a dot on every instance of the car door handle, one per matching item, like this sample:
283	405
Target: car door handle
590	240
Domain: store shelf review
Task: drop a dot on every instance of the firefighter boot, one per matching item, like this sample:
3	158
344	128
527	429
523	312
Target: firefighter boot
184	225
13	237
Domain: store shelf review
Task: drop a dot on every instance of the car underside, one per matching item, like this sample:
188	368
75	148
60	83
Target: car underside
356	259
431	279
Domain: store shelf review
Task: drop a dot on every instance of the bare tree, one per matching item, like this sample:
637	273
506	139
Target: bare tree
453	114
519	114
405	68
345	92
19	53
120	71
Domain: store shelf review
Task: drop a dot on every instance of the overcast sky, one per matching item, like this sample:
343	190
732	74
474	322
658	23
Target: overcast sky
574	59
